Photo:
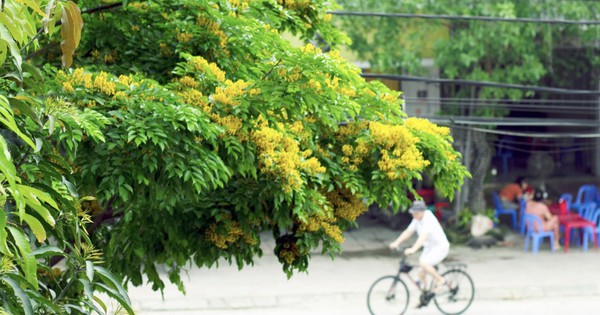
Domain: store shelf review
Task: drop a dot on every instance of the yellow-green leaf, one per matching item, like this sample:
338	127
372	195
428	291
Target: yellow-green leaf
11	25
36	227
34	6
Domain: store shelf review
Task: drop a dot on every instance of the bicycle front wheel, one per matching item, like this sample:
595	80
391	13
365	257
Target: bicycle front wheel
388	295
458	295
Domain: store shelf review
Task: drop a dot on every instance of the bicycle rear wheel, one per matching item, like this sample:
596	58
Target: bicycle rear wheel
388	295
458	295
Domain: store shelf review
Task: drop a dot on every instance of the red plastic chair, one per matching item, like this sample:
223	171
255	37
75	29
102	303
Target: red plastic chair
572	221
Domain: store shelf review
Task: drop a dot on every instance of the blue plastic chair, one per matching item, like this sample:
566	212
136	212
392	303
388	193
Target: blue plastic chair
505	154
586	194
523	208
499	210
596	230
533	222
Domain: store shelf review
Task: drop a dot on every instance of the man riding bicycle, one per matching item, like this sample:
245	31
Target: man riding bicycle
431	237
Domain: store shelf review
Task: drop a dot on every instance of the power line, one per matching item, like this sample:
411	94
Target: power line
545	106
530	134
512	121
503	100
481	84
468	18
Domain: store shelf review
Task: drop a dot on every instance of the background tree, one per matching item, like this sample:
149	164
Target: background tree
188	128
518	53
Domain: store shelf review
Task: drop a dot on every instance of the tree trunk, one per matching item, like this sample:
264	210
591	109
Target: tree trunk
481	159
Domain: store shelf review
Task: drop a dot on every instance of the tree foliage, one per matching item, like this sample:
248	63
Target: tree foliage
507	52
504	52
184	130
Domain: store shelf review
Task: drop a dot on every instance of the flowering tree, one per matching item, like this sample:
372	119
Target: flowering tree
516	52
188	128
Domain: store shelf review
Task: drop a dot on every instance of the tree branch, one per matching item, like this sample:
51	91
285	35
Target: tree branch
106	215
58	23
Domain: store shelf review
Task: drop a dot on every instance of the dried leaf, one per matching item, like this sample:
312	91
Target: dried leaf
72	24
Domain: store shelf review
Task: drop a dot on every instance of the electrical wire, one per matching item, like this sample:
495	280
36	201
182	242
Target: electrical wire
582	106
397	77
513	121
467	18
530	134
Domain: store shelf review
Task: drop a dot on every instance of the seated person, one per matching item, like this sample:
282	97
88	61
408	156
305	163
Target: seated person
511	193
549	221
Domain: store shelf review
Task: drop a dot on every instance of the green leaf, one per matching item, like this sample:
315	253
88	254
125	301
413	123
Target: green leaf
89	270
122	299
7	118
27	309
31	195
113	281
47	251
27	262
3	234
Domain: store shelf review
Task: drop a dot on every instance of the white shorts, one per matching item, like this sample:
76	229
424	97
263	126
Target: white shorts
435	255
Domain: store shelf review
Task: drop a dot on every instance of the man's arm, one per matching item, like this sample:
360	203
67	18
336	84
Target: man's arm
406	234
418	244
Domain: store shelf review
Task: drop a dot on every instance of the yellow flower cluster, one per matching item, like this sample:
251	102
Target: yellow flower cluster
389	97
289	252
184	37
315	86
214	28
125	79
317	222
200	64
292	75
104	85
408	158
426	126
350	130
68	87
313	166
232	124
111	57
232	234
280	156
195	98
140	6
310	49
348	91
239	4
398	149
189	82
165	50
294	4
389	136
346	205
332	83
229	94
79	77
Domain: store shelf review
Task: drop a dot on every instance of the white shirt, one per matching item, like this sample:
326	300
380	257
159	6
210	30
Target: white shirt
429	224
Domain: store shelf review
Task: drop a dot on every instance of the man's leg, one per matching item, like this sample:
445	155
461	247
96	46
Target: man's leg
431	257
431	270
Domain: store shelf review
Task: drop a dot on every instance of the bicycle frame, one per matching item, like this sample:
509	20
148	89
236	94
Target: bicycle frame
427	290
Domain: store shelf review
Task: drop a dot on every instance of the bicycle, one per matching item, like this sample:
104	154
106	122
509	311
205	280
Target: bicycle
389	294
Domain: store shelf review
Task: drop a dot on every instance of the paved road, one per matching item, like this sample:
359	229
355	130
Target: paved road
508	281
